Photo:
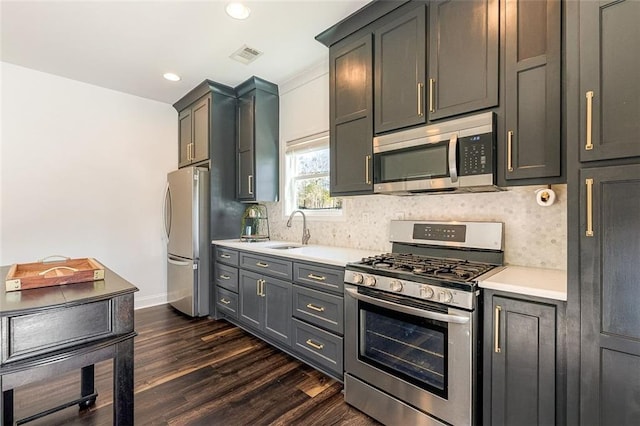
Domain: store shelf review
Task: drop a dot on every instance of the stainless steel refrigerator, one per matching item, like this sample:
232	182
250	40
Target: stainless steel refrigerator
187	227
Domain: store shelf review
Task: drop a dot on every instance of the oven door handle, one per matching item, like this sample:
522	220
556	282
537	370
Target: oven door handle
456	319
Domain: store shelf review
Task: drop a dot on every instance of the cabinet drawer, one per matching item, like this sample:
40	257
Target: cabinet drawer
226	256
226	277
321	309
266	265
227	302
318	346
319	277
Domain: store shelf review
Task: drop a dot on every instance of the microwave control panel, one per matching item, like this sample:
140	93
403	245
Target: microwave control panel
476	154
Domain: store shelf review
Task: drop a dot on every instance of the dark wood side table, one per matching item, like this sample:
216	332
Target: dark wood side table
49	331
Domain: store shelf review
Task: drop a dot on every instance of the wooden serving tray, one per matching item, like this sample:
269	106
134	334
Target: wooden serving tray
23	276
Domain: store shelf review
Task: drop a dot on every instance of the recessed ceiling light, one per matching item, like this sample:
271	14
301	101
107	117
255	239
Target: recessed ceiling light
171	76
238	10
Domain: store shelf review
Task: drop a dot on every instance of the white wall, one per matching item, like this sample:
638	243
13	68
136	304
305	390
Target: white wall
83	173
534	236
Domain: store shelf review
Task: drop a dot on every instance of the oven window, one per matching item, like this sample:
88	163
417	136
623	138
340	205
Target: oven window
409	347
413	163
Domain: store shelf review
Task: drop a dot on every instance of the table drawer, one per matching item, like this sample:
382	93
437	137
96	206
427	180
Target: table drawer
54	329
226	256
226	277
318	346
227	302
321	309
319	277
275	267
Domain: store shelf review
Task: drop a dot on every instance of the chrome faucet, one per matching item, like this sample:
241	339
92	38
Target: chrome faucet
305	232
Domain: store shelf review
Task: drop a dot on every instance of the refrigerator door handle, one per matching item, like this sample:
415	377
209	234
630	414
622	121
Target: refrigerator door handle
177	262
166	211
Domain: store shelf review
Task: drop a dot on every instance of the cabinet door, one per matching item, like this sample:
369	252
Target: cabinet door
250	308
523	363
277	309
610	295
463	57
609	79
184	138
400	60
246	175
201	119
351	122
532	95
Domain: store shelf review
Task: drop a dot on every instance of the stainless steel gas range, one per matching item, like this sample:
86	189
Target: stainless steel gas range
411	323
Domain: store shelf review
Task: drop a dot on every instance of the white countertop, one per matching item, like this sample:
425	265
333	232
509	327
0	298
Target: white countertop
549	283
337	256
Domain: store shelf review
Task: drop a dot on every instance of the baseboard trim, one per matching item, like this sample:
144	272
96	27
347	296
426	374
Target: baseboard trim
149	301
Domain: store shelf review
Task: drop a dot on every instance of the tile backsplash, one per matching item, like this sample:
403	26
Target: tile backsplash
535	236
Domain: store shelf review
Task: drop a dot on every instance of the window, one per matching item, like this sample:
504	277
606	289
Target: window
307	177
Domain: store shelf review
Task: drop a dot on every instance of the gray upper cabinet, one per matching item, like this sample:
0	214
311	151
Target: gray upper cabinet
520	362
609	294
193	132
609	79
532	97
400	60
257	141
463	57
351	116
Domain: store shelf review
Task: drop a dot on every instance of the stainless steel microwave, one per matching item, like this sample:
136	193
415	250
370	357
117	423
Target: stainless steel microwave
457	155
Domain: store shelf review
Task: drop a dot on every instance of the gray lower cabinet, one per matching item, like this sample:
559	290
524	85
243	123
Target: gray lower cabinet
522	361
610	295
265	304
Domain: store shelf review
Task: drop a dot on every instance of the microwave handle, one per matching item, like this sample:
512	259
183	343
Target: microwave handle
453	154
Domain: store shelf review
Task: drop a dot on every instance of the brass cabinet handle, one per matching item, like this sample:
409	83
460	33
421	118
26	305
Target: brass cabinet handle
367	160
225	256
189	151
224	277
225	301
318	346
262	293
250	182
589	183
420	107
432	88
258	282
496	330
589	145
193	155
262	264
509	150
317	277
315	308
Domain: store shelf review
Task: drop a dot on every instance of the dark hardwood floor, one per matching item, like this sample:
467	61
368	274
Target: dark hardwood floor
200	372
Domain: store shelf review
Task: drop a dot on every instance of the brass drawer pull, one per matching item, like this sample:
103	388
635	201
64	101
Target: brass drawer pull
315	308
420	107
262	264
589	145
225	256
432	89
367	160
314	345
225	277
589	183
496	330
225	301
317	277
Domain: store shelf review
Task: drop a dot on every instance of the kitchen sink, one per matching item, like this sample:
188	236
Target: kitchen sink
285	247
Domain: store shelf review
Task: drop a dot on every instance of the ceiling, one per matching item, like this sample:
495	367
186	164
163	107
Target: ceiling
128	45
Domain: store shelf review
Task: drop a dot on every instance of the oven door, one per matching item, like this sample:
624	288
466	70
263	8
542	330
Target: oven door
413	351
421	164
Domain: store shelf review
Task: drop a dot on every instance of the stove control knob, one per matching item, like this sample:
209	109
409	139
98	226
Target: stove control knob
446	296
357	278
426	292
395	285
370	281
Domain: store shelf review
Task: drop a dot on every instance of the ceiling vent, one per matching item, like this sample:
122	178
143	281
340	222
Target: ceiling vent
245	54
